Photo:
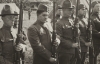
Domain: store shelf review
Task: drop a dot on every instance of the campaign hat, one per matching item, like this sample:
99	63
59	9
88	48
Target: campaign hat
7	10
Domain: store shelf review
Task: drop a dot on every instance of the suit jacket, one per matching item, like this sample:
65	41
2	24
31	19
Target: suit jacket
64	29
40	40
96	29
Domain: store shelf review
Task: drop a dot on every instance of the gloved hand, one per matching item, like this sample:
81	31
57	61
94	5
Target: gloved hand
88	43
75	45
20	47
53	60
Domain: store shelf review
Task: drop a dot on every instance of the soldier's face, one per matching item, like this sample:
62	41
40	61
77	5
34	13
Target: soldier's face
97	8
8	20
67	12
43	17
82	11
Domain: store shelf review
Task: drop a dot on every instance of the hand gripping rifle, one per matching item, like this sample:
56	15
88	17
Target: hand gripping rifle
77	37
19	56
89	37
54	46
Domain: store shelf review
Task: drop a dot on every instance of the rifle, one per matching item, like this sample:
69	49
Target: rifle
89	37
54	46
77	37
19	56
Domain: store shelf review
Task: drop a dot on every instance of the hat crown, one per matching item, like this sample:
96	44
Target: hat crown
81	6
42	7
67	4
7	10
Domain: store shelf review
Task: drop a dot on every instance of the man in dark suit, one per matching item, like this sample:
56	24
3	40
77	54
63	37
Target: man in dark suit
64	29
83	24
40	38
95	18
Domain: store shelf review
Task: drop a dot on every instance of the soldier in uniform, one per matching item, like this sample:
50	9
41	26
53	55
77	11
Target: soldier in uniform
40	38
64	28
95	18
83	23
8	37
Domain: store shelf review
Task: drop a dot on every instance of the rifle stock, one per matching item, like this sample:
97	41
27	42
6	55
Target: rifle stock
19	56
54	46
89	37
77	37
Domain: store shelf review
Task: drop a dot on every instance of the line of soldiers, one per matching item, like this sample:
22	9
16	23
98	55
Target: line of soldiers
41	42
40	35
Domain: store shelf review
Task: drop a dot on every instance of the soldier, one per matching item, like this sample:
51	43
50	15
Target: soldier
83	23
64	28
8	37
95	18
40	38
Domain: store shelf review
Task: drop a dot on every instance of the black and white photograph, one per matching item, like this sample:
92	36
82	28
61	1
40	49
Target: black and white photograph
49	31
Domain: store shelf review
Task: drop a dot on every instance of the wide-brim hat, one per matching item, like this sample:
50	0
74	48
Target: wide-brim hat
67	5
81	6
7	10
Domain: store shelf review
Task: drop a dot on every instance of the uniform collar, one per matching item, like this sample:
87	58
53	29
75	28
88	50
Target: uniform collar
39	23
67	18
81	16
6	27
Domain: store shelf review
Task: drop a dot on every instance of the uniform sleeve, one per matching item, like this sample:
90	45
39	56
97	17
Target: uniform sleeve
65	43
36	44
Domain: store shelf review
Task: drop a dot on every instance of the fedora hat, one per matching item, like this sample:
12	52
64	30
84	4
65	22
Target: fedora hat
81	6
7	10
42	7
67	5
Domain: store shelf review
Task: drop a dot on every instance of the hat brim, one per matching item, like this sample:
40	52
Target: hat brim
7	14
83	8
67	7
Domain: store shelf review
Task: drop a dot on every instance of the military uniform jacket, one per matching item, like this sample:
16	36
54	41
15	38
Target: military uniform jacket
6	46
40	40
95	29
64	29
83	23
